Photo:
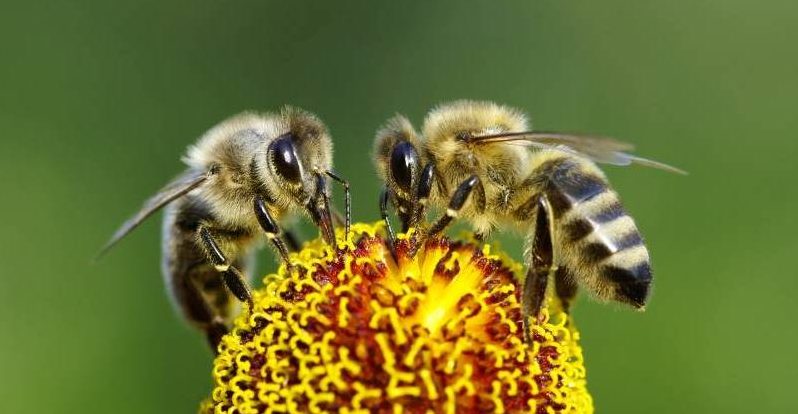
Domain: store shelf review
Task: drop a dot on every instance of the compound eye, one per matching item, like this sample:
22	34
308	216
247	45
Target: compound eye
404	165
285	163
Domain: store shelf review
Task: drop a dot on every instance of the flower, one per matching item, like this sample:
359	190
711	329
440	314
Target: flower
353	330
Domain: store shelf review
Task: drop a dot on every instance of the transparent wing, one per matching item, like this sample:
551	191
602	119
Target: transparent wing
172	191
599	149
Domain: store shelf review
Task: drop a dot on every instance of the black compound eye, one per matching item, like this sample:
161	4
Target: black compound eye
404	164
282	154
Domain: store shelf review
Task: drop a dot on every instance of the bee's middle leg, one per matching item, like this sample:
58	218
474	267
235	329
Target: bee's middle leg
235	281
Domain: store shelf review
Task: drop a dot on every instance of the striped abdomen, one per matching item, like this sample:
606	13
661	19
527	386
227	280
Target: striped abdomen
595	237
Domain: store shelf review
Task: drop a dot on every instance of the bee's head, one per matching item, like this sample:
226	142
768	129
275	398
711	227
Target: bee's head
396	156
292	165
450	128
298	147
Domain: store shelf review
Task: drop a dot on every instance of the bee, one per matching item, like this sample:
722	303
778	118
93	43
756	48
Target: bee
480	161
247	175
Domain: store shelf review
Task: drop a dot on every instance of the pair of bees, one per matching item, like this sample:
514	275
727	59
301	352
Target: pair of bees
478	161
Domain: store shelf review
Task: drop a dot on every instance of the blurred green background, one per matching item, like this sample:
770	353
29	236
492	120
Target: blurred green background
99	99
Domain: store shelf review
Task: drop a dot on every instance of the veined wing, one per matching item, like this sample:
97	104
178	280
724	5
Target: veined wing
172	191
599	149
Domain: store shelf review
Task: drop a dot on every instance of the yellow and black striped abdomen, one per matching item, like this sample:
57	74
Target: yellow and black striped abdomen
594	236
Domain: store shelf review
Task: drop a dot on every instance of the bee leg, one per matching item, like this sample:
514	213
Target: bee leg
272	230
422	194
214	333
205	316
388	227
403	210
319	209
214	326
565	287
292	240
455	204
540	259
233	278
337	178
480	199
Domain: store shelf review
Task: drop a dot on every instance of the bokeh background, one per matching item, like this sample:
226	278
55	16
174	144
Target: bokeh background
99	99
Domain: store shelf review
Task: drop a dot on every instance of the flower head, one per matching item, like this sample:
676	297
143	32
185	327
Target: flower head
354	330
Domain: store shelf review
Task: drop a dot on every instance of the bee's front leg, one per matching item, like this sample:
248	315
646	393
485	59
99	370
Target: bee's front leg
384	196
455	205
319	209
423	190
292	240
347	200
272	230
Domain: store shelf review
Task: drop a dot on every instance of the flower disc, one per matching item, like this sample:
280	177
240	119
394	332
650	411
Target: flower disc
354	330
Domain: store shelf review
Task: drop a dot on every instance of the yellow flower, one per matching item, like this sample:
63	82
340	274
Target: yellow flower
355	331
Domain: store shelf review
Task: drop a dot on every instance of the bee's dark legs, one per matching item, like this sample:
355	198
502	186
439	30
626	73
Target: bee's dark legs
423	190
204	315
387	221
532	300
540	259
565	287
232	277
480	199
214	333
348	195
319	209
403	212
272	230
292	240
455	204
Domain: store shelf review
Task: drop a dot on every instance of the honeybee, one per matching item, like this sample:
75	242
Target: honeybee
249	173
473	160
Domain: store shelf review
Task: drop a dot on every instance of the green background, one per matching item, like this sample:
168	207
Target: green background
99	99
